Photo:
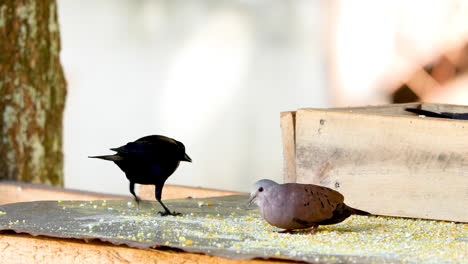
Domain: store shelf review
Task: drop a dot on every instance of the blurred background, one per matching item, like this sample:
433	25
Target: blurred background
216	75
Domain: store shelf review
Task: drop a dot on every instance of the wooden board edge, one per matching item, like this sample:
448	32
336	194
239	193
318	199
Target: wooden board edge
367	107
401	115
178	192
288	131
394	109
23	248
13	192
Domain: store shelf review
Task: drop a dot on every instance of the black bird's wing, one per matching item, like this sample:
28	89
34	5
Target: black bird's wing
154	147
449	115
426	113
459	116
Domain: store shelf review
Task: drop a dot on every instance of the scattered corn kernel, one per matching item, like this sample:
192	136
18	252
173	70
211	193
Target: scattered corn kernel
402	240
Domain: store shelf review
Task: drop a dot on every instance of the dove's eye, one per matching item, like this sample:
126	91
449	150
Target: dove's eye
260	189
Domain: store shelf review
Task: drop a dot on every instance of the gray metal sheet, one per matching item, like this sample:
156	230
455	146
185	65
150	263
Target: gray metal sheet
219	226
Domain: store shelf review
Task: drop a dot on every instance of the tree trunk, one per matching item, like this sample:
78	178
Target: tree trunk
32	92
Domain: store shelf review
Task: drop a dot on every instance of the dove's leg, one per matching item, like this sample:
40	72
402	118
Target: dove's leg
313	230
132	191
158	193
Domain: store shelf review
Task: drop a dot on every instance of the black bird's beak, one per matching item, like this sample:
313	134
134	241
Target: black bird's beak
186	158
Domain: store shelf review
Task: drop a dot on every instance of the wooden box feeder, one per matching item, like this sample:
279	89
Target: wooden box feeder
383	159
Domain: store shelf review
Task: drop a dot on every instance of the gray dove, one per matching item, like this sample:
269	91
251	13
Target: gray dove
298	206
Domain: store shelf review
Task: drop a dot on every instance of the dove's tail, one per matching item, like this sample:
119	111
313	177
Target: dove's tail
359	212
107	157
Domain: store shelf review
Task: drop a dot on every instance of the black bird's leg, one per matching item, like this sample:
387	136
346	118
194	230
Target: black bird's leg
132	191
158	193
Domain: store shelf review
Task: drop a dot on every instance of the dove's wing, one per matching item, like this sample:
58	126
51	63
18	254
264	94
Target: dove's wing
293	206
315	203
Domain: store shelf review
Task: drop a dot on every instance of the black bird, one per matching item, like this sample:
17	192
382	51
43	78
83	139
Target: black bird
449	115
149	160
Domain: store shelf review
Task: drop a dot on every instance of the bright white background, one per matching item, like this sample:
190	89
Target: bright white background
215	74
212	74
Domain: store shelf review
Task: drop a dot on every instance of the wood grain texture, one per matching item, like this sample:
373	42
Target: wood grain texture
22	248
389	165
288	130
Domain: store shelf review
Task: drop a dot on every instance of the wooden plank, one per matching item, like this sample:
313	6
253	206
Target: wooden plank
177	192
22	248
288	120
13	192
288	129
444	108
387	165
397	109
389	109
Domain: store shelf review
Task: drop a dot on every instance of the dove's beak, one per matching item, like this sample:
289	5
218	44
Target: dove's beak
250	201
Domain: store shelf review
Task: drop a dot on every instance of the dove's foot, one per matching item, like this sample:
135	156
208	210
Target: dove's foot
313	230
166	213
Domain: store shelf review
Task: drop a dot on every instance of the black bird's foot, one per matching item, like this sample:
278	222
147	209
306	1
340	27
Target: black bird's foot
166	213
133	205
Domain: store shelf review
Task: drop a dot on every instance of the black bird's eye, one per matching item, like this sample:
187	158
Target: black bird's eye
260	189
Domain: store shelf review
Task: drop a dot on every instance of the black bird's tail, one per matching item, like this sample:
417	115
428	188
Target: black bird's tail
358	212
107	157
